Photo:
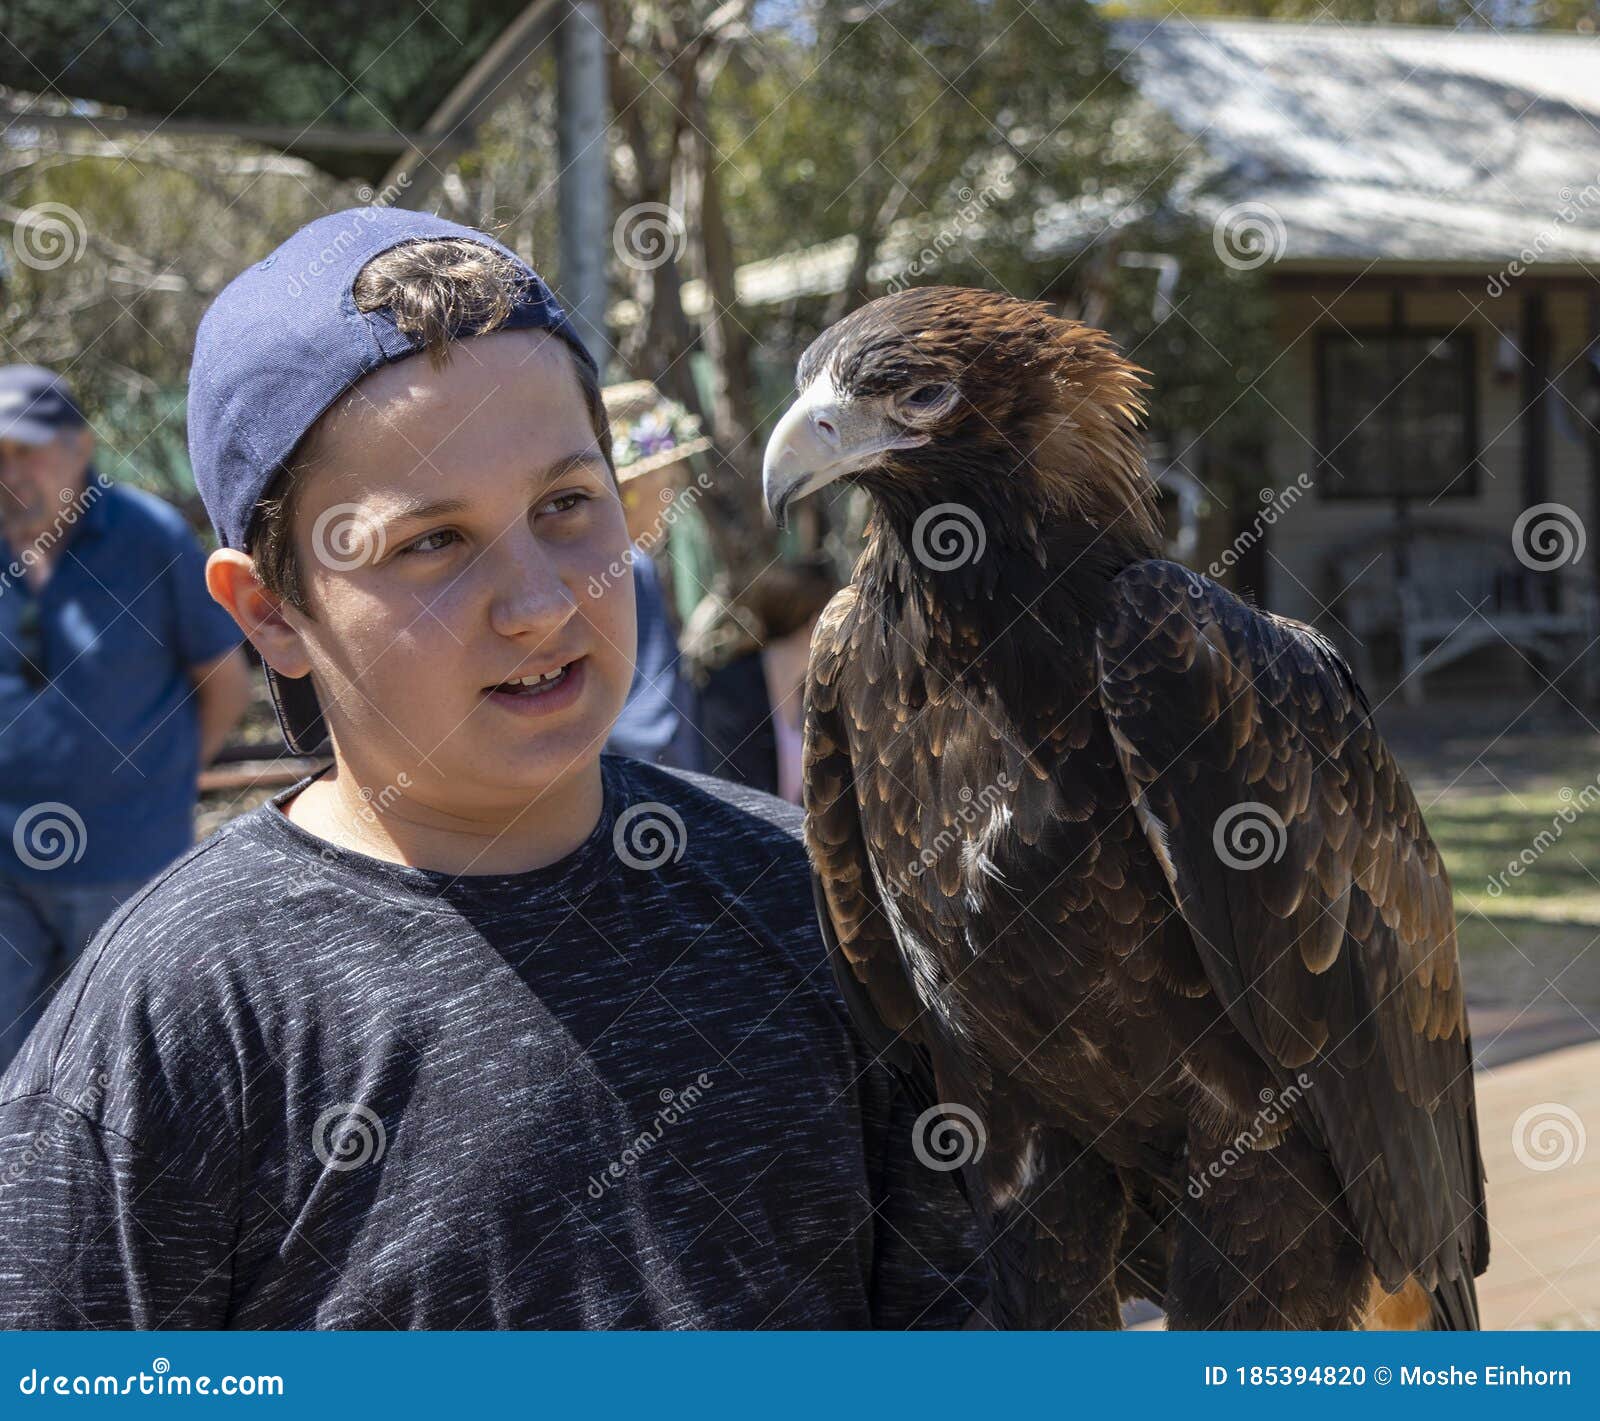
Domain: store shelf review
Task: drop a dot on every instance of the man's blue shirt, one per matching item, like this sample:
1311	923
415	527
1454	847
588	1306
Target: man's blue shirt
113	732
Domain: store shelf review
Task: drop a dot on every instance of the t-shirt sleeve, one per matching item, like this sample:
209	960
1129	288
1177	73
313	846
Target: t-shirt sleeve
927	1267
201	630
95	1231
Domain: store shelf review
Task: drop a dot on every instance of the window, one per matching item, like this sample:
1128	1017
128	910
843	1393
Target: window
1396	415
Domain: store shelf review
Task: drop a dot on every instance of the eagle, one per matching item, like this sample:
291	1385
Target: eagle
1112	866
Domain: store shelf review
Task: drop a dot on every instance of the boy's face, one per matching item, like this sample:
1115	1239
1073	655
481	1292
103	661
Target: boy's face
457	530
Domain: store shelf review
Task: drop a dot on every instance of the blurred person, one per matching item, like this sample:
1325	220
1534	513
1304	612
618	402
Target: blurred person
652	439
119	679
752	654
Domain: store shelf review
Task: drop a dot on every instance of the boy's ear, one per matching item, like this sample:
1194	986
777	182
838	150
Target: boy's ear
231	580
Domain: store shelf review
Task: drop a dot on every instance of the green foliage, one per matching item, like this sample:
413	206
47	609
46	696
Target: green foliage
862	111
304	63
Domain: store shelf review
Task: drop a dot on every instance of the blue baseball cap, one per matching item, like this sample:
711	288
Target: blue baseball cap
280	344
35	404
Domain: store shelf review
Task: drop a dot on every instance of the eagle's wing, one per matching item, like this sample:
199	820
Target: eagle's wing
1317	901
861	945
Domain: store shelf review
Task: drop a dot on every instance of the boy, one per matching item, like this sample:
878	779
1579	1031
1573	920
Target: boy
475	1028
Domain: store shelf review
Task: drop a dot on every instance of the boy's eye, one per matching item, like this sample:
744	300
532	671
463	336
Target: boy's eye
564	502
432	542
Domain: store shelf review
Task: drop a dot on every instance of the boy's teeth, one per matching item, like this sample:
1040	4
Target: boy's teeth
538	680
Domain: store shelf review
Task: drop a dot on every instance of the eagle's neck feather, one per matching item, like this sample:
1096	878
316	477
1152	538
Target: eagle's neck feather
1036	578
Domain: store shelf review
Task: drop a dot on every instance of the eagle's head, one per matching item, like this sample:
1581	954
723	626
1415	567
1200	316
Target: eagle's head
944	394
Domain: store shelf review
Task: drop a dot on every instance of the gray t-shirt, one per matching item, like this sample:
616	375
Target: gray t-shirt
290	1086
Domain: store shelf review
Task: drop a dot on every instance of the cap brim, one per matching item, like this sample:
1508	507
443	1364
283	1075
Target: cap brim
299	715
29	431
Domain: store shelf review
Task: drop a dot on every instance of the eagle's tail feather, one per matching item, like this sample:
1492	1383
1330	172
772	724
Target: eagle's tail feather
1454	1304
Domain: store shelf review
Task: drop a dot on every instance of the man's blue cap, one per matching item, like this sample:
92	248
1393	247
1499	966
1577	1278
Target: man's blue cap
280	344
35	404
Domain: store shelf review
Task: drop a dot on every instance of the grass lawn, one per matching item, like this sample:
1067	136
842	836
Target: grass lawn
1518	823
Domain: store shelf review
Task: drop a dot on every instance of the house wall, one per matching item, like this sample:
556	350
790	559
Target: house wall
1298	544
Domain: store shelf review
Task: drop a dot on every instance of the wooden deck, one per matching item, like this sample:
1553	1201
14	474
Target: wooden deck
1544	1189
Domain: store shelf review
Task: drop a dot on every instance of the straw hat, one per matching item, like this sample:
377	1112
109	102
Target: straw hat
649	431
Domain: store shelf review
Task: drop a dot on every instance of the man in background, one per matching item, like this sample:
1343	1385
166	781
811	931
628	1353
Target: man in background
119	679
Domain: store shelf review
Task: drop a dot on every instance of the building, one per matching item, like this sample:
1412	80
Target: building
1429	204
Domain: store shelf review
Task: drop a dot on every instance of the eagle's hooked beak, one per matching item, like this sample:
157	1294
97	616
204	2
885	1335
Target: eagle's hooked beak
824	436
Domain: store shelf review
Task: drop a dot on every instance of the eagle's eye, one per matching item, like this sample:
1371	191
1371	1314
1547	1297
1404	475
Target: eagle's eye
923	404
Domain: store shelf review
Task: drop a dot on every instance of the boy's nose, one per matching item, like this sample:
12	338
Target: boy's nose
530	595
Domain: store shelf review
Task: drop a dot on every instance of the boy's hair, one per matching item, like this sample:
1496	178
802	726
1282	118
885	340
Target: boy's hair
437	291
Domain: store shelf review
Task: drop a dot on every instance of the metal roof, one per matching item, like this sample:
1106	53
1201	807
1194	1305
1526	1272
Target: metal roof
1388	142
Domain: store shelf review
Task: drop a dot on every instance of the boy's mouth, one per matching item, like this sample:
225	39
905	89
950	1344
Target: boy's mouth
544	690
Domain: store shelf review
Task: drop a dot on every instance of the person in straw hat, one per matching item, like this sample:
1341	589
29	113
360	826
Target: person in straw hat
652	438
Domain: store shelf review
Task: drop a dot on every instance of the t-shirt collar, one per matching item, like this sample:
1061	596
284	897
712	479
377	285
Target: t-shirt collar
574	877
